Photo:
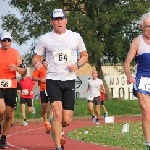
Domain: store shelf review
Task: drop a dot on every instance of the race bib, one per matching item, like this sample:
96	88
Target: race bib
62	56
90	98
5	83
25	92
46	93
144	84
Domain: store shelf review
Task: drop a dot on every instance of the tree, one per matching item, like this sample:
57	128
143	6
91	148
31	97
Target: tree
107	26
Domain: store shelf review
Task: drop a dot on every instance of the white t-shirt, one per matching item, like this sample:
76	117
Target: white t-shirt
60	52
95	86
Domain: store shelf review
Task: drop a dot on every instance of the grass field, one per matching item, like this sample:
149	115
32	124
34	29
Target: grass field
114	107
107	134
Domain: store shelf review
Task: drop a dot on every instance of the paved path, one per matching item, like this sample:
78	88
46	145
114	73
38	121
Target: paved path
33	137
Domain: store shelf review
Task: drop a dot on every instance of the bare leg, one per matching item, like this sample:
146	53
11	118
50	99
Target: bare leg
57	122
44	111
104	108
145	106
7	119
90	105
98	111
23	111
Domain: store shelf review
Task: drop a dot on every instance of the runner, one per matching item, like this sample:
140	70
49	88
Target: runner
140	50
39	74
11	62
102	98
27	94
95	85
60	46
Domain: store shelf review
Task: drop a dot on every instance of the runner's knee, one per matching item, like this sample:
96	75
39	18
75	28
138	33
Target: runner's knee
58	116
2	106
146	115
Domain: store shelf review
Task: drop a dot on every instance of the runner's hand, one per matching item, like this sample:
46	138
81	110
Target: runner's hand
130	80
73	67
31	92
12	67
43	80
45	64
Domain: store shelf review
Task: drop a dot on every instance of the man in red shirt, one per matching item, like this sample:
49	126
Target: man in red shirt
102	98
27	87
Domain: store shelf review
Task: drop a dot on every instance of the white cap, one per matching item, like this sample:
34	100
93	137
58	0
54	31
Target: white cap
58	13
5	35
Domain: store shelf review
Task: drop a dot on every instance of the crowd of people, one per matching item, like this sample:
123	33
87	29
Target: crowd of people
55	61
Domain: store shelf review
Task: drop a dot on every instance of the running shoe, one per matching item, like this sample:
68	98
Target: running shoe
3	144
33	111
62	142
93	119
47	127
97	121
24	123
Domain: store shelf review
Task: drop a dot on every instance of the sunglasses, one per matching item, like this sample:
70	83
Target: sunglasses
6	39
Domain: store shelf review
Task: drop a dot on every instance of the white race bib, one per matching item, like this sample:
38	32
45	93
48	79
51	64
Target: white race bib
144	84
25	92
5	83
62	56
90	98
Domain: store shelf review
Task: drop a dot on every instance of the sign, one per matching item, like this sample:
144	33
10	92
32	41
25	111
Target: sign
109	119
116	83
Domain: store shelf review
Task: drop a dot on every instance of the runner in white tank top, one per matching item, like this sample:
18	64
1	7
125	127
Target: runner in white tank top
95	85
60	47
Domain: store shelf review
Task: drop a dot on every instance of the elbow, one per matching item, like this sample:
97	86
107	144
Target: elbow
87	57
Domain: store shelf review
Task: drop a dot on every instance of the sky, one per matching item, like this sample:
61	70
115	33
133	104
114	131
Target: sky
4	9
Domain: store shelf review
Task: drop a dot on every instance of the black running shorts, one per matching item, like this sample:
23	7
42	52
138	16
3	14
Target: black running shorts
29	101
63	91
96	100
9	96
44	98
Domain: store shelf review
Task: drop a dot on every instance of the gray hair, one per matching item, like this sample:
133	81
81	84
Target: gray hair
147	15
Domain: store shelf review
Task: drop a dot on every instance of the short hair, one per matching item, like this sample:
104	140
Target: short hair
147	15
94	70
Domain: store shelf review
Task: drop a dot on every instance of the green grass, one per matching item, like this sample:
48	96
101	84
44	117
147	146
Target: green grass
114	107
110	135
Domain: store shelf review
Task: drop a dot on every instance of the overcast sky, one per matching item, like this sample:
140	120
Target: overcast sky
4	9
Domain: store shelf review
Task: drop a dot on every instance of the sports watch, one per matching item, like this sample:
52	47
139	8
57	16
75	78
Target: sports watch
78	64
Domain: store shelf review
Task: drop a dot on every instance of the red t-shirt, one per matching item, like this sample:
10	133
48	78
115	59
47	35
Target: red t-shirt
26	86
102	96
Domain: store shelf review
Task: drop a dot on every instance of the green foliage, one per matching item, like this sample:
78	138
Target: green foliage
107	26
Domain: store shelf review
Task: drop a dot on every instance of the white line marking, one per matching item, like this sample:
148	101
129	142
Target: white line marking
19	133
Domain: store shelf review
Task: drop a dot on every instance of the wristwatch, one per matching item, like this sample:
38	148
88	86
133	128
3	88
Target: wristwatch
78	64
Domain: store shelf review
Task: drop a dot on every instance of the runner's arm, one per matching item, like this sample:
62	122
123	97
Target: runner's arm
20	68
88	88
130	56
83	57
102	88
